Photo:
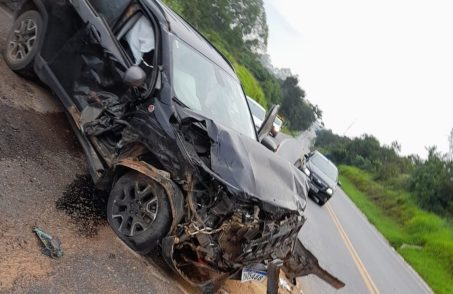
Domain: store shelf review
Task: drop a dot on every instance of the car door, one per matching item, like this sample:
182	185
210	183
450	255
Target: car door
83	53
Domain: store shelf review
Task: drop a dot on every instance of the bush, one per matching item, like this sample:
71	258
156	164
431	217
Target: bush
423	224
432	185
443	250
362	163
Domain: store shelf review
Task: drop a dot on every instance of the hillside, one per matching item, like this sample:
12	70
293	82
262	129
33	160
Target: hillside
239	30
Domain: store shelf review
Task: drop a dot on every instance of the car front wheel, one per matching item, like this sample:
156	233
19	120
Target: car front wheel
23	41
139	212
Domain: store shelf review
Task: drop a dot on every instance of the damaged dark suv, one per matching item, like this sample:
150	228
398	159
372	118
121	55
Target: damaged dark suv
165	125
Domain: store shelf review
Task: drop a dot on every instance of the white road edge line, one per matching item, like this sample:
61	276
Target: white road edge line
406	266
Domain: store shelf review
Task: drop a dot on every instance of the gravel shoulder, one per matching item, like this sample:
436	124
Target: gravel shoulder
39	158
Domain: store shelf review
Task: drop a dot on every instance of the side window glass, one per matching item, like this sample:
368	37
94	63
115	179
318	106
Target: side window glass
111	10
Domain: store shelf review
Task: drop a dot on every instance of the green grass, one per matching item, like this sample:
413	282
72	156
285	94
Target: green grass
394	214
251	86
386	225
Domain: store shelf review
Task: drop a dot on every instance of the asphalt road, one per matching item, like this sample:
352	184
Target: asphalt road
338	234
348	246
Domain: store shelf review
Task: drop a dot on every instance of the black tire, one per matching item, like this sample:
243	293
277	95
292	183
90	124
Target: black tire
22	43
146	208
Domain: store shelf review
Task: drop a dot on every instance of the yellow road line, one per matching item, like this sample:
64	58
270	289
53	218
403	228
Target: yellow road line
358	262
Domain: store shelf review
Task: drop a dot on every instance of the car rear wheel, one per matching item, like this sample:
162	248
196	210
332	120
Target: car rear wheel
139	212
23	41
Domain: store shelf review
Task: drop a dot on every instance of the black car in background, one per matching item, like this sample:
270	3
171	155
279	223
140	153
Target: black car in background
167	130
323	176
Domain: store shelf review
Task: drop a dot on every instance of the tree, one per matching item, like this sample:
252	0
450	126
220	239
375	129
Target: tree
249	16
367	153
368	147
396	146
317	111
242	24
432	183
298	113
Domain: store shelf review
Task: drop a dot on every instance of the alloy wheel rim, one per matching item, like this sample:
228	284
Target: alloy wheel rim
23	40
136	210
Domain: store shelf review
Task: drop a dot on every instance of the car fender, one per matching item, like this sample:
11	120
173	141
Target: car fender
161	177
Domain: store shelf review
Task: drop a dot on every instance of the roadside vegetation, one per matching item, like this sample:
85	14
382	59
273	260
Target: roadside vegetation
239	30
428	182
408	199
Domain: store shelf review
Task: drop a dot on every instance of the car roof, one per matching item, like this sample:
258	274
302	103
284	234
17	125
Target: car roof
186	32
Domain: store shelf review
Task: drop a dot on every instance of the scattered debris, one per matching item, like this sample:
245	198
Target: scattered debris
52	246
285	285
85	205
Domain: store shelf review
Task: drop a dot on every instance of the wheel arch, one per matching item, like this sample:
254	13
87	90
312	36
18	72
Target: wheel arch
34	5
174	193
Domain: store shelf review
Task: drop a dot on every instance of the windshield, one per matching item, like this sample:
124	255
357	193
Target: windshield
257	110
207	89
325	166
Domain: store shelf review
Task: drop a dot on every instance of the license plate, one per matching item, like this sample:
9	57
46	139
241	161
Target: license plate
252	275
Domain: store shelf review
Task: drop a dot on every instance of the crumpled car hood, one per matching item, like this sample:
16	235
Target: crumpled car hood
251	169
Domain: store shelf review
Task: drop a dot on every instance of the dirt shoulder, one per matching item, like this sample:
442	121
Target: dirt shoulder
39	158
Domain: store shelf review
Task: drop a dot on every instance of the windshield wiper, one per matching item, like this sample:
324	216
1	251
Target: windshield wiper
180	103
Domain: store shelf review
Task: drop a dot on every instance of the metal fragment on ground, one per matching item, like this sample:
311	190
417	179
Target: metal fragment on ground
52	246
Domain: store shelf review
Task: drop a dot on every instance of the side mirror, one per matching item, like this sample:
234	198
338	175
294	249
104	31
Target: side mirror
269	143
306	156
299	163
268	122
135	76
339	184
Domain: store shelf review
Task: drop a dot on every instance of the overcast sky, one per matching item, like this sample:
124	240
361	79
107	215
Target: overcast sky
385	67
